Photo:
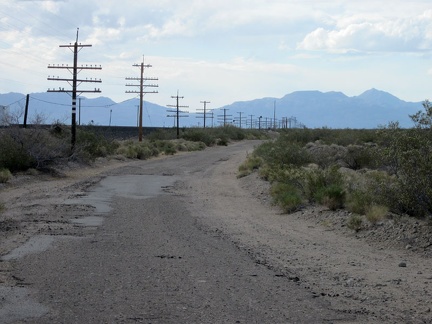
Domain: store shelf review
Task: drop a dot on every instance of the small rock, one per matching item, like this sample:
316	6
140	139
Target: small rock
402	265
408	247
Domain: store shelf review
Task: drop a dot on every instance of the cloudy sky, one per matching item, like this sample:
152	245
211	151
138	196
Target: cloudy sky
222	51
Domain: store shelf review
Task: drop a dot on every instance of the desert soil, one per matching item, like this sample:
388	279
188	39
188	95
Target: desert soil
380	274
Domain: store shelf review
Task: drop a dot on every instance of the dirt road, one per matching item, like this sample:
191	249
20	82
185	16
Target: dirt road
181	240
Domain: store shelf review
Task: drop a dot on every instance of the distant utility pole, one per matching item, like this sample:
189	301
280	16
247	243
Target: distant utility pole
240	118
225	116
141	92
177	112
74	82
204	112
251	121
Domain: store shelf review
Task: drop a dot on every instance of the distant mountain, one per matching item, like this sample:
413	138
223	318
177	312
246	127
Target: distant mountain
316	109
313	109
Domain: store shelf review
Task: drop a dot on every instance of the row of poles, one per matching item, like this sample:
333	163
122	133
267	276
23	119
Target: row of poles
139	82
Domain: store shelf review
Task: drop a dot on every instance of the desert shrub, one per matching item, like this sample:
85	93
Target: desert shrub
199	135
222	141
137	150
13	154
162	134
22	148
251	163
286	196
407	153
282	153
376	213
358	201
90	145
2	207
355	223
5	175
169	148
361	156
143	152
327	155
319	182
332	196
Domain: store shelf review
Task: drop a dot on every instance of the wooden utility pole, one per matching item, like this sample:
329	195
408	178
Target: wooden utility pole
204	112
177	112
26	111
240	118
225	116
74	82
141	92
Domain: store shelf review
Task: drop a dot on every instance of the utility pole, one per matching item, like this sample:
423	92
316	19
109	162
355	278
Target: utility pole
251	121
74	82
204	112
141	92
225	116
177	112
240	118
26	111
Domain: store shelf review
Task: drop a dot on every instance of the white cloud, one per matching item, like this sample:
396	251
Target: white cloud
373	34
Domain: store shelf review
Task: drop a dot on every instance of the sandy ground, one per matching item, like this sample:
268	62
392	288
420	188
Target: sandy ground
383	274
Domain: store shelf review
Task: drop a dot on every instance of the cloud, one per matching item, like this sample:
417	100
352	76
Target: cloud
373	34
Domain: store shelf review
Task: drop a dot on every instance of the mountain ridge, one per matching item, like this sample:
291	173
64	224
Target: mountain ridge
312	108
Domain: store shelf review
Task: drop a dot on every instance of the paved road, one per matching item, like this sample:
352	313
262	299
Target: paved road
146	256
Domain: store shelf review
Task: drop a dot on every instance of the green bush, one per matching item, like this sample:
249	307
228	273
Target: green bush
319	182
332	196
286	196
251	163
358	201
90	145
13	153
282	153
5	175
199	135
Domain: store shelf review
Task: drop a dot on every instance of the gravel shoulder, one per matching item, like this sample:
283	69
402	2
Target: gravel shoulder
382	274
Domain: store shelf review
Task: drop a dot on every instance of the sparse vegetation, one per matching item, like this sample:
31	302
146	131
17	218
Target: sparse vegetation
41	148
368	172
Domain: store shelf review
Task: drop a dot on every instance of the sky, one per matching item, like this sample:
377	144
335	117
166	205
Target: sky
220	51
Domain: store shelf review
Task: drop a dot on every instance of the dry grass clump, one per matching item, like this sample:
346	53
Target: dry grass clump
376	213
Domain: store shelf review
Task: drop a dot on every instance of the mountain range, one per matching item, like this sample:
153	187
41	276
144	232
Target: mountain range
312	109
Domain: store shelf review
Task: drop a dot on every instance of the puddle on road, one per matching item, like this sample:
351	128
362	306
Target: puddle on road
17	305
35	244
90	221
125	186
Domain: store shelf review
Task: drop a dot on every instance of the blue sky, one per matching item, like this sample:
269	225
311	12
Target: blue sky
222	51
